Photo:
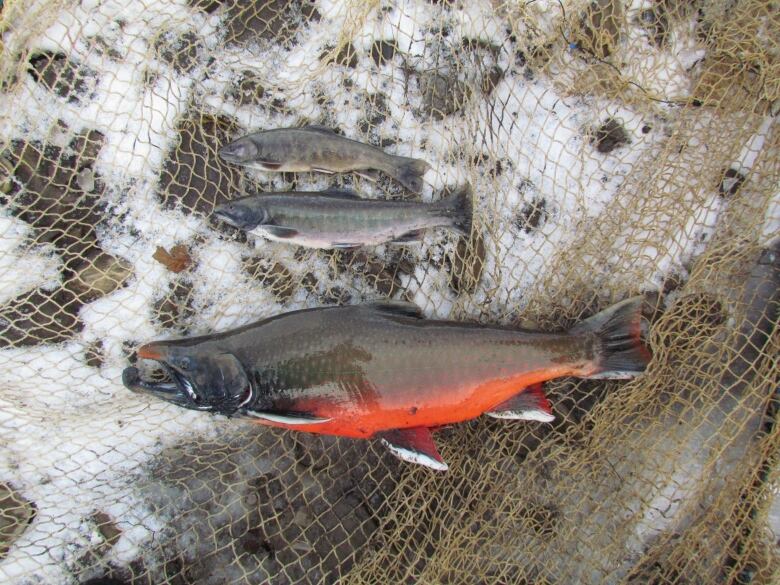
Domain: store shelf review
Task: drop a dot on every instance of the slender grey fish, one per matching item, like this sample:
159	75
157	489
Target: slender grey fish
316	148
341	219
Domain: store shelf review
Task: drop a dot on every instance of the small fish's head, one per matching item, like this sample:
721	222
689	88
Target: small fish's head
200	380
241	151
244	214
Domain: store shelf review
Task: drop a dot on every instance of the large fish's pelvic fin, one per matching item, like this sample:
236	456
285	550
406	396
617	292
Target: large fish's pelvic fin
458	208
414	445
530	404
287	418
409	172
621	354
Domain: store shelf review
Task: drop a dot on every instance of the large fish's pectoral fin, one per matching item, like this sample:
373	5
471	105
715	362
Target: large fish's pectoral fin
287	418
530	404
280	232
368	174
414	445
415	236
266	164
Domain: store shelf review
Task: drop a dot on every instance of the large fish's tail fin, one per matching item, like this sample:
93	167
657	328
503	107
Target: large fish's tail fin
458	208
409	172
620	350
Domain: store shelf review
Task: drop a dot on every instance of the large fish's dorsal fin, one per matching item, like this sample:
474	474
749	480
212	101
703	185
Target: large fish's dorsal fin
396	308
530	404
321	128
287	418
337	193
414	445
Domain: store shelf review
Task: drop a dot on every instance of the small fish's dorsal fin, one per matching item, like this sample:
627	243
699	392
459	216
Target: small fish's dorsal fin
320	128
396	308
338	193
530	404
414	445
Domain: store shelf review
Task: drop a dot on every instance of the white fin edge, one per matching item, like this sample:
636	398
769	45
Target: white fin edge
415	456
287	420
537	415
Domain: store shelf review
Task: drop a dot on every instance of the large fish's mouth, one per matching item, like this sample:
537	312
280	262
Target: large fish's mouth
178	390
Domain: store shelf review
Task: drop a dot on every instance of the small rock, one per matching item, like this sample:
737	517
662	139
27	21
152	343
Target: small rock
731	182
610	135
532	215
107	528
383	51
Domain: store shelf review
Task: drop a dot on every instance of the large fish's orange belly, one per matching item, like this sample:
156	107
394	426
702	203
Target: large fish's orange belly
438	407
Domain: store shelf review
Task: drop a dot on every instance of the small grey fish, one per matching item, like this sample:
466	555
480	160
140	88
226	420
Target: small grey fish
316	148
341	219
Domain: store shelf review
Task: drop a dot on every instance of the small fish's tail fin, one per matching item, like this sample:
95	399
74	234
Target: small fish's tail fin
620	350
458	208
409	172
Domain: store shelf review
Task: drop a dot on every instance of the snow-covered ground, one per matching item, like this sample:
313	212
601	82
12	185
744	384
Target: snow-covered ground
74	440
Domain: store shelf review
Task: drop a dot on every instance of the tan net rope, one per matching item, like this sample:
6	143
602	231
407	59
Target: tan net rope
613	147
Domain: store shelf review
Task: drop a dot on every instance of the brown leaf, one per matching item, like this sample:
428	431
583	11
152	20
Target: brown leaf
177	260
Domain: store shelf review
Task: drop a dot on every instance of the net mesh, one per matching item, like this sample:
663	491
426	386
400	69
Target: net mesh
613	147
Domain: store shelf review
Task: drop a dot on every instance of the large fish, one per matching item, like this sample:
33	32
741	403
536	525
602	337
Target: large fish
341	219
315	148
381	370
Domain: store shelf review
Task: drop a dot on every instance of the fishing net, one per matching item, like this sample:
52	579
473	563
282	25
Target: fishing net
614	148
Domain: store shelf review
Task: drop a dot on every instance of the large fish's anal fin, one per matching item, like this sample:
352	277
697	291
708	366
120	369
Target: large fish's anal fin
287	418
414	445
530	404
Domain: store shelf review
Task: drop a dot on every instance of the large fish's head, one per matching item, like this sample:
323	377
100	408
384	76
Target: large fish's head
200	380
241	151
245	214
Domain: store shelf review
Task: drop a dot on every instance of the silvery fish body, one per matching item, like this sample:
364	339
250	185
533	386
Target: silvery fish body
341	219
315	148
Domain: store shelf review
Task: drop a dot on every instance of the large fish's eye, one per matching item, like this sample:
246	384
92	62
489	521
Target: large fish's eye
184	363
